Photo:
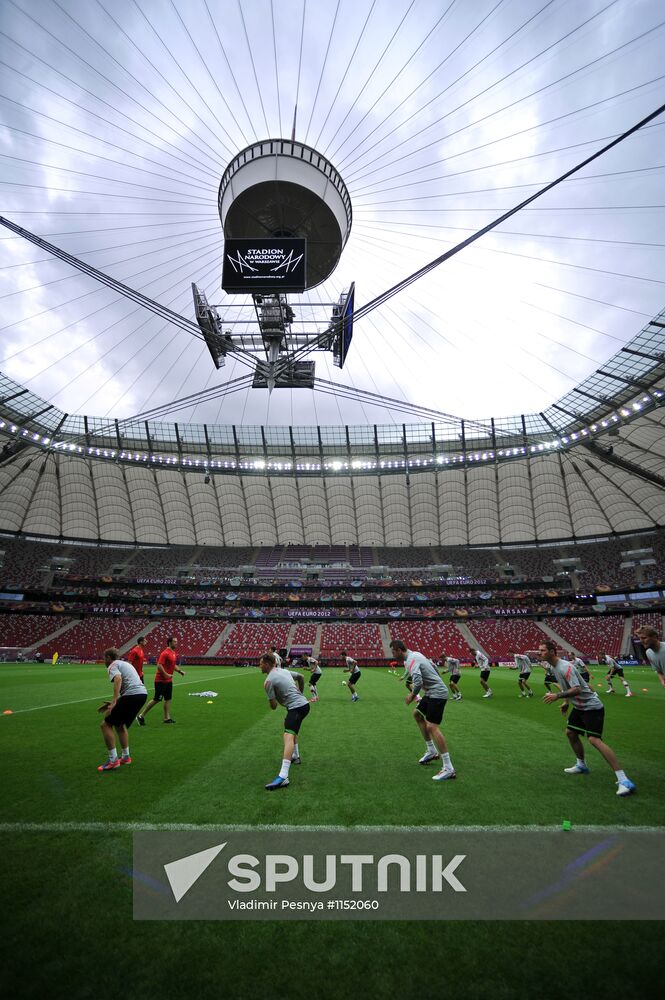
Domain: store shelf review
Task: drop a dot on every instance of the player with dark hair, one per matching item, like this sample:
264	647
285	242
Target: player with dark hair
353	669
129	695
429	713
654	649
485	668
166	667
452	664
523	664
285	687
278	658
581	668
615	671
586	717
314	667
136	656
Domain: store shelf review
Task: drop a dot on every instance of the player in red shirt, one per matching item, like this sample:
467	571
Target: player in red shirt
166	666
136	656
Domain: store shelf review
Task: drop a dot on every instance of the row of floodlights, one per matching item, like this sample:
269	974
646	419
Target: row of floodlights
364	465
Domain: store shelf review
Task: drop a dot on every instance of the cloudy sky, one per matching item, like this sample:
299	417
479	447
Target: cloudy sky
118	119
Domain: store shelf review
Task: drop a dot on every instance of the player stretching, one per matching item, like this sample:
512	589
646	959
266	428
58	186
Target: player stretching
429	713
278	658
550	679
523	664
136	656
284	687
166	666
485	668
615	671
353	669
314	666
654	649
581	668
455	673
586	718
129	695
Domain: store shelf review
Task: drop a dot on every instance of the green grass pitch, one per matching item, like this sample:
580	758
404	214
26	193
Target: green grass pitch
67	925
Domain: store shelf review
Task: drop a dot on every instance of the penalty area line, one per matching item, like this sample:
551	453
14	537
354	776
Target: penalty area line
147	827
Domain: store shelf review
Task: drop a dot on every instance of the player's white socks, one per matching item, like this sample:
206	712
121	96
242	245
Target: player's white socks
580	762
296	753
446	762
430	746
284	770
113	754
621	775
125	754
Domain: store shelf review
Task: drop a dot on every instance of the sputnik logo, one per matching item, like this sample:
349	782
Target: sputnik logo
183	873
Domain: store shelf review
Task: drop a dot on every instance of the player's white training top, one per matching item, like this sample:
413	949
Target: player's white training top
657	658
482	661
424	675
131	682
278	659
351	664
314	664
452	664
568	677
611	662
579	664
280	685
523	663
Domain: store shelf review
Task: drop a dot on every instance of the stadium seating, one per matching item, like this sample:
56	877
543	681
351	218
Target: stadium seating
249	641
361	641
26	630
649	619
432	638
195	637
590	635
304	635
500	637
88	639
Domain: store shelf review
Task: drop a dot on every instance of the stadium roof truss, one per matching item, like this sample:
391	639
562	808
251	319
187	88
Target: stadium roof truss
591	464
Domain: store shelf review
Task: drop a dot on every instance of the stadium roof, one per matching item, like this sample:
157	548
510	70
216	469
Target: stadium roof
593	463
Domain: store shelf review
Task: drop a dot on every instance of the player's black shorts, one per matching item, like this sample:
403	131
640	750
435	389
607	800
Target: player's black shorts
163	691
524	676
355	677
294	719
454	678
585	675
432	709
616	672
550	678
315	678
589	723
126	710
484	675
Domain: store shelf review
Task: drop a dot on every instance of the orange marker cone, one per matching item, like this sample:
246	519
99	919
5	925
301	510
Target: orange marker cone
8	711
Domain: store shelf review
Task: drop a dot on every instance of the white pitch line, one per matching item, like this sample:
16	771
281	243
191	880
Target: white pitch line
143	827
100	698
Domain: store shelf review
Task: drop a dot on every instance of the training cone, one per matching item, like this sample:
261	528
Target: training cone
645	690
210	702
8	711
566	825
